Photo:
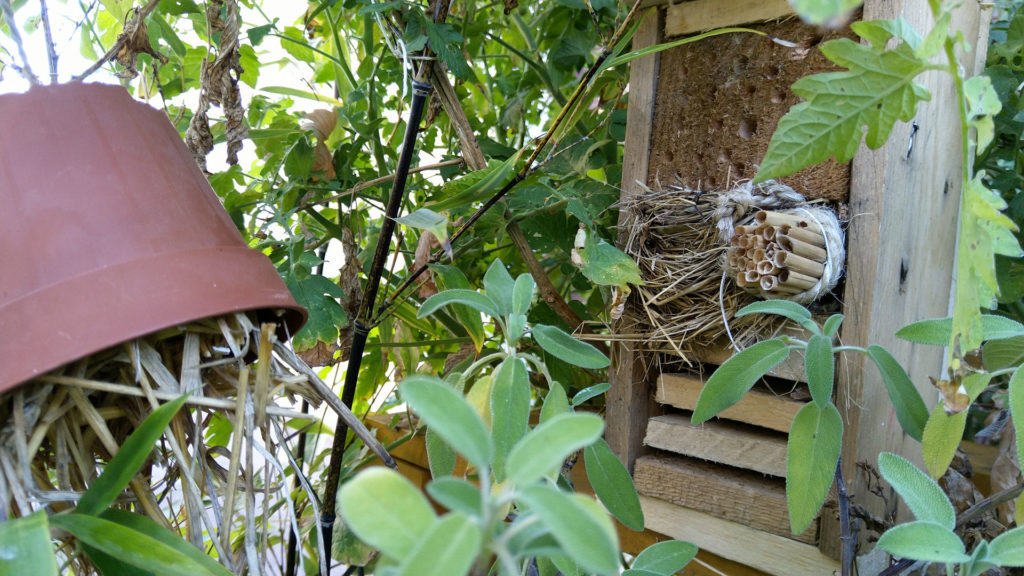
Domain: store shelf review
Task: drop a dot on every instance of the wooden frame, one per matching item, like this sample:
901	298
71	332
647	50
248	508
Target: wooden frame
899	269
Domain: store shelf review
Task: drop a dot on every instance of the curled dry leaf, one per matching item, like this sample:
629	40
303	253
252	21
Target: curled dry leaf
348	280
466	350
321	123
428	243
134	40
1005	475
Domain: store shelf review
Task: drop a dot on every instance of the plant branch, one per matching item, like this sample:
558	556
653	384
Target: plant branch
25	69
51	51
528	167
140	15
849	543
382	180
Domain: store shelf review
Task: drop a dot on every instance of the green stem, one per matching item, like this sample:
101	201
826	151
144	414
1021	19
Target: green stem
478	365
850	349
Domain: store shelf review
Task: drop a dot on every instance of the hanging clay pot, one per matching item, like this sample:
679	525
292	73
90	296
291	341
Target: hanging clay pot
109	231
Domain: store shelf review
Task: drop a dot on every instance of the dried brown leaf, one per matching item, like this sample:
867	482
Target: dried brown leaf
427	244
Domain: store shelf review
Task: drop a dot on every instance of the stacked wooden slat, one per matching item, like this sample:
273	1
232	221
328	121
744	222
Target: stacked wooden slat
778	256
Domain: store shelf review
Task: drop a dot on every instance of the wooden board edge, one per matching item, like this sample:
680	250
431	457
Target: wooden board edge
699	15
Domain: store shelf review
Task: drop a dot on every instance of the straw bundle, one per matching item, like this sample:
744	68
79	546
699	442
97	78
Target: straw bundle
683	239
217	475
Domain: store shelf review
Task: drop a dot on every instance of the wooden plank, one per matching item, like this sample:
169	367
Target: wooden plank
628	402
792	368
761	550
719	441
737	495
899	264
757	407
689	17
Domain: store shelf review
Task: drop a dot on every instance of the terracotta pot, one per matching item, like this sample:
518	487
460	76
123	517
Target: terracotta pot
109	231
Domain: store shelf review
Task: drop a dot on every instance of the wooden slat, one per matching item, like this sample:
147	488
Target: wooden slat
899	264
737	495
689	17
761	550
629	399
756	407
718	441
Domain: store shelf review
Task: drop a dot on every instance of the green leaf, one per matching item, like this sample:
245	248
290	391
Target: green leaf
386	511
447	549
576	527
736	376
784	308
516	328
477	186
920	493
456	494
294	43
499	286
470	298
258	33
666	557
568	349
522	294
1007	549
641	572
590	392
1000	354
25	547
942	436
937	331
879	32
449	277
427	219
543	450
128	460
832	325
613	485
286	91
447	44
819	365
815	440
555	403
318	295
144	525
923	541
129	546
982	104
298	164
440	455
823	11
936	38
877	90
510	410
606	265
911	411
448	414
1016	389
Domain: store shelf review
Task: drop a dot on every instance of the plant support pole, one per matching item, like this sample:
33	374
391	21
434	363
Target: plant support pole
421	91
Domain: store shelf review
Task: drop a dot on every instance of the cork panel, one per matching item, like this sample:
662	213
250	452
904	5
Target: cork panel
718	103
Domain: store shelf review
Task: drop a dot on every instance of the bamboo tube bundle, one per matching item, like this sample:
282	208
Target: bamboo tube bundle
217	476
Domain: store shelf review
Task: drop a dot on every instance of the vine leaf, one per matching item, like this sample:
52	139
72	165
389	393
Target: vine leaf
877	90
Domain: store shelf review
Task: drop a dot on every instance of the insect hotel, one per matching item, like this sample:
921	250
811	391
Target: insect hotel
700	119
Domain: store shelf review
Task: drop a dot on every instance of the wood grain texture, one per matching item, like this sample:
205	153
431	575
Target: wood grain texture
629	400
689	17
766	552
739	496
759	408
902	245
719	441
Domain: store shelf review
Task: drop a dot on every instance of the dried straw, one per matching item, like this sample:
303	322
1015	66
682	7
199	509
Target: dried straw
63	427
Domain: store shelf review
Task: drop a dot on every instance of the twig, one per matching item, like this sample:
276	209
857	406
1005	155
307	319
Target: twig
26	68
845	535
110	54
51	50
381	180
528	167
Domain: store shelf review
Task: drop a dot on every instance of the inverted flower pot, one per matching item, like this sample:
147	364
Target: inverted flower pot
109	231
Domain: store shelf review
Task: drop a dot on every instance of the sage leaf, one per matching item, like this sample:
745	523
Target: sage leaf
815	440
576	527
448	548
590	392
923	541
911	411
736	376
448	414
920	493
386	511
455	494
942	436
784	308
819	366
510	410
666	557
613	485
522	294
568	349
542	452
470	298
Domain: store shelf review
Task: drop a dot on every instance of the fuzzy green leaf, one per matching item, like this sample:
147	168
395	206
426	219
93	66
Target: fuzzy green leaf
510	410
440	455
427	219
606	265
823	11
555	403
666	557
784	308
568	349
819	365
815	439
923	541
613	485
1007	549
736	376
590	392
386	511
911	411
920	493
876	91
455	494
937	331
522	294
832	325
543	450
999	354
499	286
448	414
941	437
1016	387
470	298
578	528
128	460
449	277
25	547
448	548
